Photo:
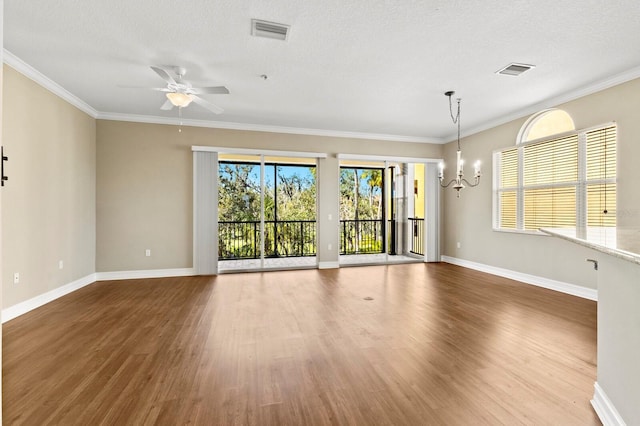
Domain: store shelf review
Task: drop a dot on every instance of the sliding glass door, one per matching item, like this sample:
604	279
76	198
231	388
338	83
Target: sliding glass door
379	220
266	212
290	208
239	209
362	210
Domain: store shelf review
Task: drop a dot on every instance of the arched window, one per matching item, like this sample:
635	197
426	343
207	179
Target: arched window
556	177
544	124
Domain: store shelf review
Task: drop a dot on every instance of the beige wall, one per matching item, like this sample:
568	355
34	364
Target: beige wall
48	203
468	219
144	187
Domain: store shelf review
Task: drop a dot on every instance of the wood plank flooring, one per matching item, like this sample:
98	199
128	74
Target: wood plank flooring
437	345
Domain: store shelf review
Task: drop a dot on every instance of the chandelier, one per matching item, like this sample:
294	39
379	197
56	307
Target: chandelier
459	182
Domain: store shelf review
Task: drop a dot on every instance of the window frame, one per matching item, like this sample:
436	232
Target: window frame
580	185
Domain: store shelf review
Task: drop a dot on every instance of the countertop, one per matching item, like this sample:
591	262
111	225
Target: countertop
623	243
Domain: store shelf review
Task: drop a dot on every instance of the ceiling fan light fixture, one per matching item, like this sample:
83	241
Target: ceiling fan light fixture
179	99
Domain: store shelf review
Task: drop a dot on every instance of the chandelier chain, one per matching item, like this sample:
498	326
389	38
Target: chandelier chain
456	119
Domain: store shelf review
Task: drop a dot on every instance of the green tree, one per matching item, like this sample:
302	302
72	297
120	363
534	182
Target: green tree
238	192
296	194
373	178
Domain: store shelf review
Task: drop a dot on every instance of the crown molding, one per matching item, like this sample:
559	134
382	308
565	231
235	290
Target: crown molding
28	71
572	95
35	75
114	116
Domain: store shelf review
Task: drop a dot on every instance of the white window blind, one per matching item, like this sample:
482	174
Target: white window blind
567	181
508	164
601	177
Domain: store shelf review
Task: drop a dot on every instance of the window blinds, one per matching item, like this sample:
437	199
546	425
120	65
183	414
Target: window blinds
550	174
509	183
600	176
557	182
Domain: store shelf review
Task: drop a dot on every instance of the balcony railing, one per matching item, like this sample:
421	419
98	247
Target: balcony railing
296	238
289	238
417	235
361	236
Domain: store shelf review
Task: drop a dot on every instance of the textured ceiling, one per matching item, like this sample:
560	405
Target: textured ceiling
365	66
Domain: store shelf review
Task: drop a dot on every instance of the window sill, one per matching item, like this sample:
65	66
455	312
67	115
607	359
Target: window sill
518	231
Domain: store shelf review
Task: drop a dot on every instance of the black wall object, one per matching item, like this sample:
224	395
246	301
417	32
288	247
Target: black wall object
4	178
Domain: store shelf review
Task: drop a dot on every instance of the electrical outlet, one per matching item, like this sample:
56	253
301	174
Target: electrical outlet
458	244
16	277
329	216
330	247
60	264
147	252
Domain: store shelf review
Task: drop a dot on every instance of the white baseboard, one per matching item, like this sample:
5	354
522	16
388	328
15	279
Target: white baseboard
328	265
608	414
28	305
151	273
575	290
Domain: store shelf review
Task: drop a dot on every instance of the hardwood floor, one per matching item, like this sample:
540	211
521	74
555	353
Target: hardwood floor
438	344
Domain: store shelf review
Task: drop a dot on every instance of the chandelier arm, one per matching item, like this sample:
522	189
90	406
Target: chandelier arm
477	182
449	184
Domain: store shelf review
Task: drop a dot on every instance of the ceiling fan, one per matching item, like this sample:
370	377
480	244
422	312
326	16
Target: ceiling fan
180	93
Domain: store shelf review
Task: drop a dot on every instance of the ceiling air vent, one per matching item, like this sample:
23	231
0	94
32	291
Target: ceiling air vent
515	69
269	29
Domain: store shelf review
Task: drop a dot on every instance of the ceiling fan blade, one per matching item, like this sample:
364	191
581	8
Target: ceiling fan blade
167	105
208	105
164	75
157	89
216	90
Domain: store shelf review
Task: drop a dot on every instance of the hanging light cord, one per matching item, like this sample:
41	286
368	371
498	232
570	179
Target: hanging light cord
605	211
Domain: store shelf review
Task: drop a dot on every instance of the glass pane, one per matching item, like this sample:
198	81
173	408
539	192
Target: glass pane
549	208
361	210
238	210
294	230
290	207
296	196
549	123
